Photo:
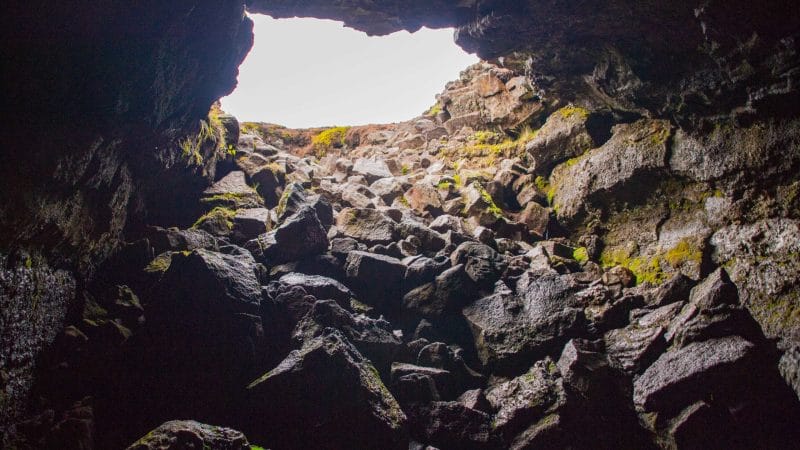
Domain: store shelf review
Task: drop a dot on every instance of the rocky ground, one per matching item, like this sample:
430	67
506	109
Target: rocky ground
501	272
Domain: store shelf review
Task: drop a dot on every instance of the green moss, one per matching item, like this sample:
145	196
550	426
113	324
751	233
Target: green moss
160	263
646	269
329	139
444	184
224	198
551	195
541	183
580	254
682	253
492	208
569	111
256	447
458	181
403	201
660	137
404	169
218	212
434	110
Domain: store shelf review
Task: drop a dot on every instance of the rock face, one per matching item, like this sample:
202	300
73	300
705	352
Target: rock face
589	241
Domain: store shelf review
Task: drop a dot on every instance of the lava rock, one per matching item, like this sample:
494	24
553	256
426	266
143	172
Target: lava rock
299	236
183	434
322	288
351	406
366	225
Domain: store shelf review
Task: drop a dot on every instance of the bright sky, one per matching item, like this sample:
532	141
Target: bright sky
309	72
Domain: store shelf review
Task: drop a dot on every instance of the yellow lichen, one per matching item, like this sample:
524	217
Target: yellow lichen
682	253
569	111
329	139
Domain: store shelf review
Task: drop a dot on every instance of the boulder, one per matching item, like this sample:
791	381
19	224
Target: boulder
696	371
320	287
527	398
184	434
372	337
371	169
377	279
452	425
250	223
424	198
366	225
635	151
481	263
509	330
563	136
345	390
300	236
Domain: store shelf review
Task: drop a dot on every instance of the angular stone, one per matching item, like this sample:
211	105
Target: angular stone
320	287
366	225
509	330
563	136
371	169
527	398
345	391
300	236
372	337
424	198
481	262
680	376
634	151
181	434
377	279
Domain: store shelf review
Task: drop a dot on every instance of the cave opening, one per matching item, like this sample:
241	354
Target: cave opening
305	72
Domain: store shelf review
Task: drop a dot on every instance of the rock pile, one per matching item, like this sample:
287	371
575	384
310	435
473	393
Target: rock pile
437	284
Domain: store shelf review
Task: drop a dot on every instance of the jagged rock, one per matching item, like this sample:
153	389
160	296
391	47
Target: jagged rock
680	376
446	222
430	240
481	262
634	151
179	240
563	136
359	196
442	379
250	223
234	186
421	270
439	355
345	389
635	347
372	337
528	398
453	425
377	279
789	367
536	217
295	197
320	287
341	247
269	181
414	388
299	236
475	399
509	329
388	189
221	285
366	225
424	198
673	290
447	294
371	169
182	434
